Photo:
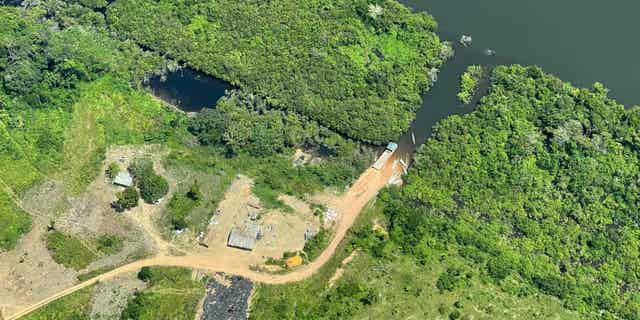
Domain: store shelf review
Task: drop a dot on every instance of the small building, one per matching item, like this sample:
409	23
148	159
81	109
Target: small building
244	238
309	234
124	179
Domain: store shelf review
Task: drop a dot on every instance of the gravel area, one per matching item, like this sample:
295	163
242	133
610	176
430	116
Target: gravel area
227	300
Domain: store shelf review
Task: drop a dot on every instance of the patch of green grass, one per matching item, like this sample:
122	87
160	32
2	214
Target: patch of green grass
76	253
109	113
172	294
76	306
269	197
178	209
109	244
317	244
213	174
70	251
16	169
14	222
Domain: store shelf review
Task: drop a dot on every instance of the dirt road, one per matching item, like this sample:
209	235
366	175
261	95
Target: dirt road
348	205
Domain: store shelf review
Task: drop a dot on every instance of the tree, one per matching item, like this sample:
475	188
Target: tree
145	274
208	126
112	170
128	198
140	167
469	83
152	187
194	192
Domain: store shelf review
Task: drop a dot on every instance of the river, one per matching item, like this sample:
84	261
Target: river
581	41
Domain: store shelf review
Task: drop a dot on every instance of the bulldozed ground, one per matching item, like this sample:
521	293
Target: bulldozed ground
26	289
281	231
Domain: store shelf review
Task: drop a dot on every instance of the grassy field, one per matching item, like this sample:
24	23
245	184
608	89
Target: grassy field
13	220
395	288
210	171
76	253
108	113
172	294
76	306
16	169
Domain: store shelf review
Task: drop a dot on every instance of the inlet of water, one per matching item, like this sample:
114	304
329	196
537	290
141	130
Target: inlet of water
188	90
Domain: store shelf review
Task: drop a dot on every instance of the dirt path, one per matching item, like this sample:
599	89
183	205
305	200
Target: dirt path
348	205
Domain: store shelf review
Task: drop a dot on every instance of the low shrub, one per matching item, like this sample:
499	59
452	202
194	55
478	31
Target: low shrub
127	199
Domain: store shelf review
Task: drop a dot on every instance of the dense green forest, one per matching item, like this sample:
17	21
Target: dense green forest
353	66
535	193
538	187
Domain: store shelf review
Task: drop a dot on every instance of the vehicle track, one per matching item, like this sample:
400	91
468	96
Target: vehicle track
348	205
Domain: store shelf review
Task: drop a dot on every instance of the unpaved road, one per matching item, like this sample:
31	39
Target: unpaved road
348	205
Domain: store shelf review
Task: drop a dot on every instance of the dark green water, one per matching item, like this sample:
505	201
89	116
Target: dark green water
188	89
580	41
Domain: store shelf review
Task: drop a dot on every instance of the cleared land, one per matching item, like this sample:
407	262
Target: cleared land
348	205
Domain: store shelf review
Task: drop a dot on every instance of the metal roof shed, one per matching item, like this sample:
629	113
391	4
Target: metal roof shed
123	179
241	240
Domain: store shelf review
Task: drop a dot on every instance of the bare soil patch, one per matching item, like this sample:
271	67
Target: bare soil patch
29	274
110	297
280	231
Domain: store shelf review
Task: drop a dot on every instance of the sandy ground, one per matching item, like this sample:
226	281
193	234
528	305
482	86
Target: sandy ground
219	258
281	232
28	273
284	232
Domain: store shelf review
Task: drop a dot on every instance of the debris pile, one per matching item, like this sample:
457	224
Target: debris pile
227	302
330	215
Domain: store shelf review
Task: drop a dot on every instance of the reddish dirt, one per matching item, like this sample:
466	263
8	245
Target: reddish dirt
232	261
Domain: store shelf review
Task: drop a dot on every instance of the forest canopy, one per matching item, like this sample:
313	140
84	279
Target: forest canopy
354	66
538	187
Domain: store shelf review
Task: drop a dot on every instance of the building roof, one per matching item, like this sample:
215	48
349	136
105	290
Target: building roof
123	179
245	238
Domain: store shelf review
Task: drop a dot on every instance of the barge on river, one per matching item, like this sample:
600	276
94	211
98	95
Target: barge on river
388	151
